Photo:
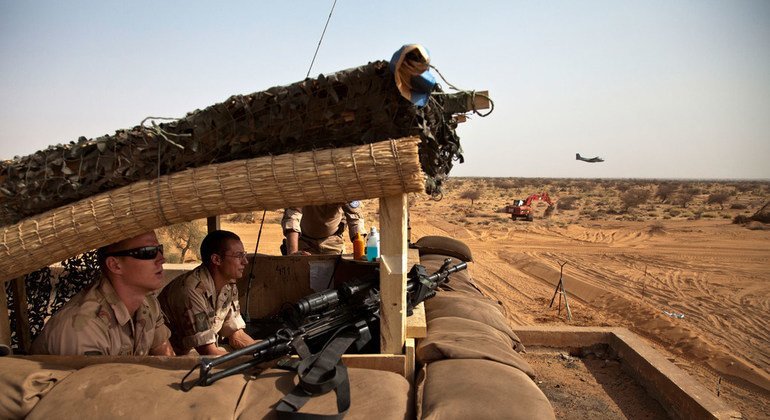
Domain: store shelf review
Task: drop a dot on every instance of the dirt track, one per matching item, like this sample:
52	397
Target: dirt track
713	272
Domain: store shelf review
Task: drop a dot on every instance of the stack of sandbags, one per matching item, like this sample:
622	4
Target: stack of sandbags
471	362
38	390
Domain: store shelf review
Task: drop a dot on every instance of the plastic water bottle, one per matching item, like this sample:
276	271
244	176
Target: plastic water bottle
359	247
373	245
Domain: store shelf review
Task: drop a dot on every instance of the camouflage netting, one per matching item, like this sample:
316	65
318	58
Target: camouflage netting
355	106
44	299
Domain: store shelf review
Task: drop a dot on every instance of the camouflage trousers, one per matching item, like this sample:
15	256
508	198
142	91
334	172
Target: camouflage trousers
331	245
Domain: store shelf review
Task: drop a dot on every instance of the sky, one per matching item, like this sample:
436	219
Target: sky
659	88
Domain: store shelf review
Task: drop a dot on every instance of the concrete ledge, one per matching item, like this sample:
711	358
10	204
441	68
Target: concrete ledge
681	395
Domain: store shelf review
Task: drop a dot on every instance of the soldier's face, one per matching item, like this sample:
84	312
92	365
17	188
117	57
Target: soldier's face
234	260
138	273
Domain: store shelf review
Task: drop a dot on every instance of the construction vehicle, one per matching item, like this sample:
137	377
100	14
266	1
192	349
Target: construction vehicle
523	208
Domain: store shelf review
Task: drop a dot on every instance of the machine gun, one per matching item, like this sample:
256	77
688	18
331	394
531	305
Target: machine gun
348	314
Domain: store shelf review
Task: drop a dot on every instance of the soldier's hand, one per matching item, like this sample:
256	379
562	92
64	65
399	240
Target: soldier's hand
300	253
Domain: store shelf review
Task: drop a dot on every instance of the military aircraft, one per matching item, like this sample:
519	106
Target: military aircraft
591	160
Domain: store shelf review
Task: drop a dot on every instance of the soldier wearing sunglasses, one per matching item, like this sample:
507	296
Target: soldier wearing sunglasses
118	314
202	305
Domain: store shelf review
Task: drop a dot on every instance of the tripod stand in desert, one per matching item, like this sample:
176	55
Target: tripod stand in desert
561	292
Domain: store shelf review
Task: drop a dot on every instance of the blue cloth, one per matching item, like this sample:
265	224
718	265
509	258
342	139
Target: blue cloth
413	79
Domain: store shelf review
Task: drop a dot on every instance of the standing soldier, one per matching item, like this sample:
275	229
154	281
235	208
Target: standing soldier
118	314
319	229
202	305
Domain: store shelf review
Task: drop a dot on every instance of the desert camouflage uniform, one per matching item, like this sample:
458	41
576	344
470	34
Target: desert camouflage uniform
95	321
321	227
197	317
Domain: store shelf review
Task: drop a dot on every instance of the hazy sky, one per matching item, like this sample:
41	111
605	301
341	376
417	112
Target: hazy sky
660	89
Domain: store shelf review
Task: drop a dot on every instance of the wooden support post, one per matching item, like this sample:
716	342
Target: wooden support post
5	321
213	223
393	271
409	363
22	317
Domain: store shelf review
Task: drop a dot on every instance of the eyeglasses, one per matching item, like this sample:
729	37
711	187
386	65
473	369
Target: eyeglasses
143	253
240	255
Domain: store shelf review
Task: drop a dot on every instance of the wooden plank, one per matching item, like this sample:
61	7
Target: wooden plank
393	270
389	362
22	317
5	321
213	223
480	100
409	363
416	327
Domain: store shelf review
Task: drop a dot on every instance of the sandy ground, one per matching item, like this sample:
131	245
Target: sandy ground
709	275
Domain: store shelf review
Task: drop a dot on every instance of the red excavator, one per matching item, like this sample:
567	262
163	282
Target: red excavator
523	208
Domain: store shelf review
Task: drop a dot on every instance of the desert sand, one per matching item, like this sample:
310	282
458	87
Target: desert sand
680	275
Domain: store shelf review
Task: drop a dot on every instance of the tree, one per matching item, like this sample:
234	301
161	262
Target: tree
666	191
472	195
185	236
685	196
634	197
719	197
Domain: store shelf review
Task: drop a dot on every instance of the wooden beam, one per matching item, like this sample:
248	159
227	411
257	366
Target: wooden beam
5	321
22	317
480	100
393	271
213	223
466	101
409	363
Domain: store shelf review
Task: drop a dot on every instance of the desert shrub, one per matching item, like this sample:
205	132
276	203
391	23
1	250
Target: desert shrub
634	197
738	206
665	191
242	217
741	219
674	212
622	186
186	237
745	186
719	197
504	184
172	257
685	196
584	185
757	226
472	195
561	185
657	227
566	203
709	215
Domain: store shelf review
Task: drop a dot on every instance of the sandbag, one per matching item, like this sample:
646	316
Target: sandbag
136	391
442	245
460	281
479	389
374	394
23	383
479	309
458	338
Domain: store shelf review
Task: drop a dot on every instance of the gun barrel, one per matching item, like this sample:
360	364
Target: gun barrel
437	277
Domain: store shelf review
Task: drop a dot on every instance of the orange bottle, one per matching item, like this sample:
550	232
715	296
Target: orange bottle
359	247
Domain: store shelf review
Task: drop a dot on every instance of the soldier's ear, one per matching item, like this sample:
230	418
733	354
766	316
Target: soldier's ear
113	265
216	259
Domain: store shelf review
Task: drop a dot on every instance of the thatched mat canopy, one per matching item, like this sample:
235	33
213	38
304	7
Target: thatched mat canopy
273	182
352	107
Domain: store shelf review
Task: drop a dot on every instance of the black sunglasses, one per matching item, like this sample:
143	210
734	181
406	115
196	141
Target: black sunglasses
143	253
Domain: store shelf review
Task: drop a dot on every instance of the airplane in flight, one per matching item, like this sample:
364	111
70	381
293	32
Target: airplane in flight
590	160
